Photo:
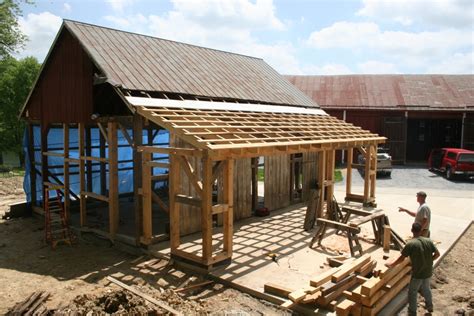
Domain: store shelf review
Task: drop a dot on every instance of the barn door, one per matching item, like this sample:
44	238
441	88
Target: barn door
395	129
468	134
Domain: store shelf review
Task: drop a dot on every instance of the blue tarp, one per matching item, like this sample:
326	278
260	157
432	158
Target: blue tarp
55	144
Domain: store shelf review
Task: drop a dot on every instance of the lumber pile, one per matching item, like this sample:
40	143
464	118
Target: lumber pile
356	287
31	305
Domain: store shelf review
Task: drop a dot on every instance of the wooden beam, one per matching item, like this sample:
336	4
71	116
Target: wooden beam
82	179
157	164
220	208
275	289
89	161
350	158
103	166
206	211
192	178
67	197
155	198
350	267
228	196
102	131
95	196
31	156
323	277
147	297
321	178
216	170
188	200
126	135
386	237
137	175
113	180
146	197
172	151
339	225
174	186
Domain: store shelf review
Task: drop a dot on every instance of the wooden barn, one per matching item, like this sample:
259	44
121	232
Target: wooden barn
415	112
107	94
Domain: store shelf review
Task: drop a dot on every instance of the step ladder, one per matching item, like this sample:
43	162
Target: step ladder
56	227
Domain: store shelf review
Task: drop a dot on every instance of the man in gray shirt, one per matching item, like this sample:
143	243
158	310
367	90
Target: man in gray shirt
422	215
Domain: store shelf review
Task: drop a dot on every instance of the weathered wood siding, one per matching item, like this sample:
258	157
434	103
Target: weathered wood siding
242	188
277	181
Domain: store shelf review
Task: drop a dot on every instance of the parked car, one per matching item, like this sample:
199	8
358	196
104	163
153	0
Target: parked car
384	162
452	162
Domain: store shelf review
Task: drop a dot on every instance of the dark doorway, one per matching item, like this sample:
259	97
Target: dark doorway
425	134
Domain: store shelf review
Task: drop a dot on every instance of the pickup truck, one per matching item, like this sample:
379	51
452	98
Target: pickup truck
452	162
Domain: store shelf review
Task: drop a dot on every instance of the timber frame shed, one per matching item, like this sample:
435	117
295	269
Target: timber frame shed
222	111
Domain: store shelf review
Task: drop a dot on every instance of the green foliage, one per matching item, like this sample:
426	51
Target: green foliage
16	79
338	176
11	37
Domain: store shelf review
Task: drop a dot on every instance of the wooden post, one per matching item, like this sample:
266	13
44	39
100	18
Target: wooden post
174	185
88	162
229	200
137	175
321	178
350	153
254	164
31	155
367	176
103	167
113	179
331	157
44	159
67	199
374	172
82	184
206	209
146	198
386	237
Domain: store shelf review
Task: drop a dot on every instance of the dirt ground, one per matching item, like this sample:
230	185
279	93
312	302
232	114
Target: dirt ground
76	277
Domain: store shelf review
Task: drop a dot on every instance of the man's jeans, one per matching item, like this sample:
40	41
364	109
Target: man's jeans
414	287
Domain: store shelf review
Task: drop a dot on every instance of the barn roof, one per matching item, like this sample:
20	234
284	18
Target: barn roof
412	92
138	62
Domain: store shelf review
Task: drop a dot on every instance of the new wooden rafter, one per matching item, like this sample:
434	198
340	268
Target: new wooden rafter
228	130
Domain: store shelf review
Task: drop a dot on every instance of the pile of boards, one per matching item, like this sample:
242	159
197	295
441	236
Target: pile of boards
31	305
356	287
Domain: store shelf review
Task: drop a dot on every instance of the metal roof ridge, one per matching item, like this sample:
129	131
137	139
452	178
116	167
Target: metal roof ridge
159	38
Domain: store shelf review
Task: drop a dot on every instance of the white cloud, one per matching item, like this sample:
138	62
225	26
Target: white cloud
41	30
218	24
439	13
120	5
458	63
376	67
67	8
328	69
404	50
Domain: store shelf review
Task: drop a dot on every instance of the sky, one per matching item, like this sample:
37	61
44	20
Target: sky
296	37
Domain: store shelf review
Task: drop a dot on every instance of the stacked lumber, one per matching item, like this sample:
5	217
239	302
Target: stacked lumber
31	305
355	287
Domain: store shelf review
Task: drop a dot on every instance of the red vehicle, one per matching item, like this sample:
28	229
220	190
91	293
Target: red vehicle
452	161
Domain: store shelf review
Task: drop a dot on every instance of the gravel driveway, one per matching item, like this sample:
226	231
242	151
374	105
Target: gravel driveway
412	177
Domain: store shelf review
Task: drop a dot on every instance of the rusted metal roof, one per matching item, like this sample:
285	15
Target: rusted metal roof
413	92
139	62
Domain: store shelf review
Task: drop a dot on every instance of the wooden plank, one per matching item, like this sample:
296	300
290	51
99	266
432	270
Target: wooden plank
275	289
192	178
91	158
88	153
332	286
350	267
344	307
367	268
311	298
338	225
174	184
157	164
155	198
220	208
370	300
126	135
324	300
102	131
323	277
371	311
113	179
137	175
206	210
160	177
359	221
321	178
67	197
82	179
194	286
350	157
189	200
52	154
147	297
147	197
95	196
386	237
376	283
172	151
228	196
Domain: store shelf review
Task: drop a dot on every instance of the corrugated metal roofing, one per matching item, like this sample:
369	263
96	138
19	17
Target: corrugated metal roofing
139	62
439	92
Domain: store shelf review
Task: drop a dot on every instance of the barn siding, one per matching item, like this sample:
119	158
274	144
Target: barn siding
310	172
277	181
64	91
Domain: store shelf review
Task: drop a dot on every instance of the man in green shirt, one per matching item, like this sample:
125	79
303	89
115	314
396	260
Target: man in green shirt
422	253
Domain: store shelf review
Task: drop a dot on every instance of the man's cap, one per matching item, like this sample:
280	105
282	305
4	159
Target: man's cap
421	193
416	227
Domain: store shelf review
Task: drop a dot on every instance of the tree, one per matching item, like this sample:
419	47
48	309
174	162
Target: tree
16	80
11	37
